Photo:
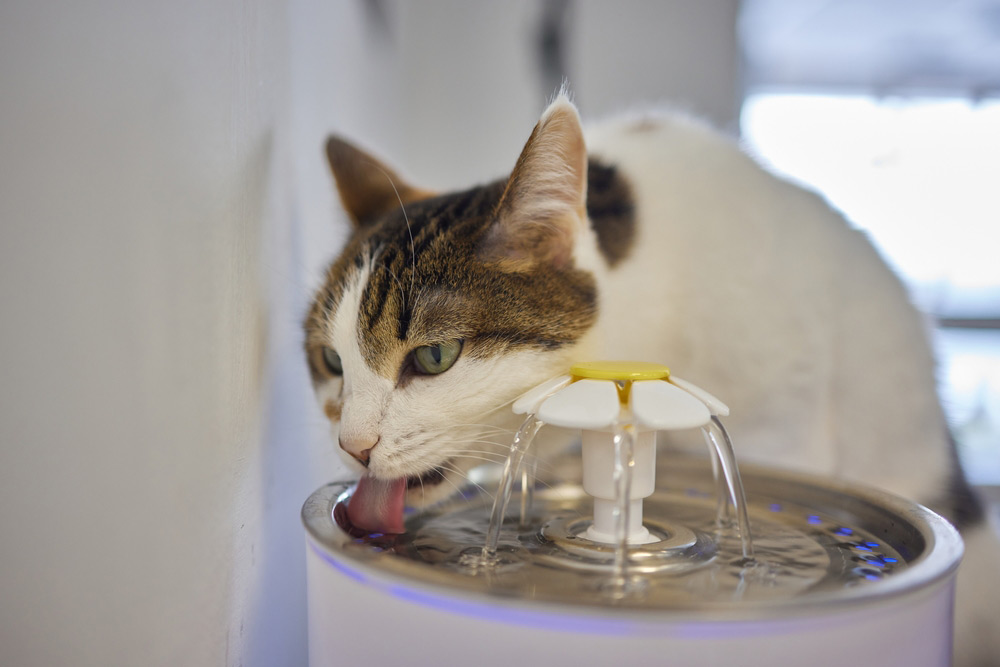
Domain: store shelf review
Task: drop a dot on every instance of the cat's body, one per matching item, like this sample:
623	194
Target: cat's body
689	254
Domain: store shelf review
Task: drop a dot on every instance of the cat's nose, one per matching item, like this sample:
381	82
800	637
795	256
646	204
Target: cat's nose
360	448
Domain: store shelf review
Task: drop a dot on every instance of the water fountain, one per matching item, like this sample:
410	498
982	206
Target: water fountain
614	554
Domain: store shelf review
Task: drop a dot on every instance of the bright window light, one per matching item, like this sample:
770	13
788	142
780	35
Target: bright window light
919	175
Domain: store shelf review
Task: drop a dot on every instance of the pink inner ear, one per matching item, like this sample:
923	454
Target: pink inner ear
544	202
523	245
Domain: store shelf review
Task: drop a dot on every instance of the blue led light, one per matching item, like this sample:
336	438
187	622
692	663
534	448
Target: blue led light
375	535
813	519
844	531
871	544
862	547
775	507
890	560
872	577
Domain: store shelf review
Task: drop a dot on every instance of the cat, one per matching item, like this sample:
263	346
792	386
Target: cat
649	238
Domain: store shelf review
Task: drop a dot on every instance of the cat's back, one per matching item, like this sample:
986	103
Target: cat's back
706	210
756	288
717	237
676	158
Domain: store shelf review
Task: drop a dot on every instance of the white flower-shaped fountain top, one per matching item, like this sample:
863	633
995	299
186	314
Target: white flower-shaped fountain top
602	398
599	394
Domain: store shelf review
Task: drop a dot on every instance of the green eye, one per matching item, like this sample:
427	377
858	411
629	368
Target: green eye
434	359
332	361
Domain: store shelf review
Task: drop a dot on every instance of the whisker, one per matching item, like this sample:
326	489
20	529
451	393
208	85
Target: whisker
491	427
474	454
413	256
463	475
501	445
392	274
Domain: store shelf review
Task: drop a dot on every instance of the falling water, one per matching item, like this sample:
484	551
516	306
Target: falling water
624	441
723	508
511	469
722	447
529	469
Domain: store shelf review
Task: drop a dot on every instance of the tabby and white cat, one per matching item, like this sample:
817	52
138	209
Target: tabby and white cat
652	238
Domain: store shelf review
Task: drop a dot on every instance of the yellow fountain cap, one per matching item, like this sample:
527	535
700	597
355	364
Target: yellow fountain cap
620	371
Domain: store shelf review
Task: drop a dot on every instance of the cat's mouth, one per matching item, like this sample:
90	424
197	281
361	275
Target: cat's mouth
377	504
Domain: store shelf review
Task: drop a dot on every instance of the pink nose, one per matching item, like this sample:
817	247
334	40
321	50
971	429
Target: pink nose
359	448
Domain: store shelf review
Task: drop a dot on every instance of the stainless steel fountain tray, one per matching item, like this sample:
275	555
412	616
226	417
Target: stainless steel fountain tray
870	545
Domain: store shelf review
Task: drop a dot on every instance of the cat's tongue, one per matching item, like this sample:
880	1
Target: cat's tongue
377	505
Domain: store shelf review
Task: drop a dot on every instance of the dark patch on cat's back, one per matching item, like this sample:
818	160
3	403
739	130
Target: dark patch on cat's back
960	505
611	209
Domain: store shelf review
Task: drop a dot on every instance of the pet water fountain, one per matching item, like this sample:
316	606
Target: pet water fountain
612	556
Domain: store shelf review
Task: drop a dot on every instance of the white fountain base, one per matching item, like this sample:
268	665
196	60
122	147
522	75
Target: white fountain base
359	618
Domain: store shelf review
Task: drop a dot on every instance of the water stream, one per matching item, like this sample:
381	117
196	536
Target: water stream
511	470
529	470
723	455
624	441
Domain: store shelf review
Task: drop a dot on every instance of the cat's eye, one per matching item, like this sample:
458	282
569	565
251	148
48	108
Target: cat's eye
332	361
434	359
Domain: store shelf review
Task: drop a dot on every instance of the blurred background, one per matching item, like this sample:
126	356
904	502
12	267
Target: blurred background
165	212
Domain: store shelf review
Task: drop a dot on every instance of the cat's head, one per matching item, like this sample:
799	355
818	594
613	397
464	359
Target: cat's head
442	309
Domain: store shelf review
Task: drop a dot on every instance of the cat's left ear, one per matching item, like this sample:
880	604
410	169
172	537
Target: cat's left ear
544	204
367	187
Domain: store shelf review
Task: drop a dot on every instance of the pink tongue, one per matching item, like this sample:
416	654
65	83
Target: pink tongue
377	505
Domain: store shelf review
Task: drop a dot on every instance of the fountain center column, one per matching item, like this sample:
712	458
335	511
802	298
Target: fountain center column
599	482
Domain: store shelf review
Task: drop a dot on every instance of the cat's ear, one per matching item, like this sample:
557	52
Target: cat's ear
367	187
544	204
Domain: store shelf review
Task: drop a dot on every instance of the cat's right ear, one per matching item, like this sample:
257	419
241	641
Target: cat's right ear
543	206
367	187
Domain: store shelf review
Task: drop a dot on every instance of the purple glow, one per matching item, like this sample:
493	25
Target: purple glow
558	622
340	567
813	519
775	507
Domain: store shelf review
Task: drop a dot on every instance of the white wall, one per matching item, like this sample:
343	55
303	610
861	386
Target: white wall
136	144
680	53
165	211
